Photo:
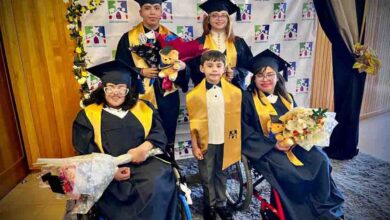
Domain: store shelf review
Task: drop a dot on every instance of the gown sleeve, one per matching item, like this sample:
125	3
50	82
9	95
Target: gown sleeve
156	135
122	49
255	144
183	78
193	65
82	135
244	55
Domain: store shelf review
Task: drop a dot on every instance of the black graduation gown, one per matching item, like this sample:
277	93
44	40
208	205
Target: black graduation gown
307	192
168	106
150	193
244	54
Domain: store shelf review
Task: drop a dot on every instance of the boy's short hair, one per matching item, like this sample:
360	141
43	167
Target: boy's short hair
213	55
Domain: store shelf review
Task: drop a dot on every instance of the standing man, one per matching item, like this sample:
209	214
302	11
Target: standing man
167	106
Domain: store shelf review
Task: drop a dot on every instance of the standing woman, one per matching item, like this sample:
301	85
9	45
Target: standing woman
307	192
115	122
218	35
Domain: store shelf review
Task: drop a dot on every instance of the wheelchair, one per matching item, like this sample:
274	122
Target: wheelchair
241	188
183	196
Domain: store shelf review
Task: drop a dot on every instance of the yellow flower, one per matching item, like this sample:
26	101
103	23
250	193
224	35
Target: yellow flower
81	33
97	2
84	73
78	50
83	9
82	80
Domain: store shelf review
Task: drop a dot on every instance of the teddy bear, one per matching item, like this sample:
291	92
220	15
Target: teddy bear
169	67
276	128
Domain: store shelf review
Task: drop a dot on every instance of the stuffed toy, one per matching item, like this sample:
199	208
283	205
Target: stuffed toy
276	128
169	67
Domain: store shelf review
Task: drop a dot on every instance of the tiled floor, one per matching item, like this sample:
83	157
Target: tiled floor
29	202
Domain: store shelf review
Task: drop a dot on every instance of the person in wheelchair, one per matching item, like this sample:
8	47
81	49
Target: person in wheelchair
308	191
214	108
115	122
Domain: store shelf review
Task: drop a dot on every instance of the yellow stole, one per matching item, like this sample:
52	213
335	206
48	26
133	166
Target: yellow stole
140	63
231	52
264	111
197	110
94	114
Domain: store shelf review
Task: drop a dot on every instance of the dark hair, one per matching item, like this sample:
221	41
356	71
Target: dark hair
212	55
98	97
280	87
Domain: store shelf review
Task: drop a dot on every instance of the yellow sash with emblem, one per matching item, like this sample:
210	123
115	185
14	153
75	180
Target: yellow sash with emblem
231	52
264	110
140	63
197	110
94	114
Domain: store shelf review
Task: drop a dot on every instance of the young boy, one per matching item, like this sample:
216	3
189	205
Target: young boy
214	108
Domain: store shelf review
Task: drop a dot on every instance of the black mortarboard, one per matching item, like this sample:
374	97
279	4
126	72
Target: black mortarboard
221	5
269	58
142	2
116	72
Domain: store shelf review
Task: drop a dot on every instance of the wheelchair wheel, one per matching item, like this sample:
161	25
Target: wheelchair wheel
184	209
239	185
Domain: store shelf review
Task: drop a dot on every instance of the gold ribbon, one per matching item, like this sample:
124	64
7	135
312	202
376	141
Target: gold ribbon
231	52
134	35
141	111
264	111
197	110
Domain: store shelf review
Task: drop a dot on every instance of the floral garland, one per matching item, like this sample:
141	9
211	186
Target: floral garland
74	12
366	60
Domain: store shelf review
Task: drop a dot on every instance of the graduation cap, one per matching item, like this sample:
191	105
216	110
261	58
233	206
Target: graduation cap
221	5
117	72
269	58
142	2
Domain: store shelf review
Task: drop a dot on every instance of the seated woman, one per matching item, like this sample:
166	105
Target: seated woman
115	122
308	191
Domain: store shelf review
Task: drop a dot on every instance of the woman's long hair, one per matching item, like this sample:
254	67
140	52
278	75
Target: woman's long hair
280	87
228	30
98	97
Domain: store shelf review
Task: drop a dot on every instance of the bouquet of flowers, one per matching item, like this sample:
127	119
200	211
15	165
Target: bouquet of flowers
187	50
308	127
82	178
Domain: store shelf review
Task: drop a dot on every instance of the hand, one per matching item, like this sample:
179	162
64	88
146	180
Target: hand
123	173
229	74
197	153
149	72
182	65
140	153
284	145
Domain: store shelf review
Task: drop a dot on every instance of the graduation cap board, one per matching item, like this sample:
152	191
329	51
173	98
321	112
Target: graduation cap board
117	72
221	5
142	2
269	58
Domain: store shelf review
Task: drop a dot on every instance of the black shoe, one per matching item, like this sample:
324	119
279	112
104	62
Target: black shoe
209	213
224	213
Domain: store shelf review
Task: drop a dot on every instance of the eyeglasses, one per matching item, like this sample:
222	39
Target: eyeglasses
122	91
217	16
266	76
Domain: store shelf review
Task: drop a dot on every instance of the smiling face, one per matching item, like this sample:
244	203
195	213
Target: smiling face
213	71
151	15
115	94
219	20
266	80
